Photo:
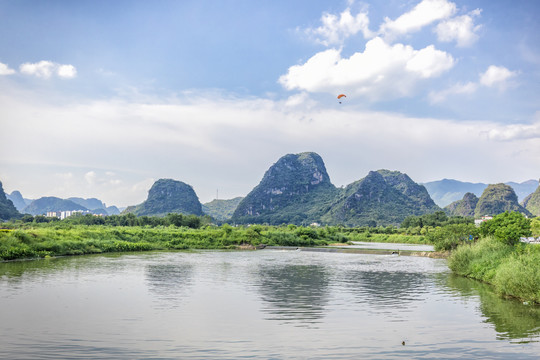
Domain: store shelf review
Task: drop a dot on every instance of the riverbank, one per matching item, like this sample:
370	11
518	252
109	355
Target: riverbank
514	270
50	240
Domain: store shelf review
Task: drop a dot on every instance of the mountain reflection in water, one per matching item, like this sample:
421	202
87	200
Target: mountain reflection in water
294	292
169	282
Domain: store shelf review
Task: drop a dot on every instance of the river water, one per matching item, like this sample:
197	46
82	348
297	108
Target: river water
268	304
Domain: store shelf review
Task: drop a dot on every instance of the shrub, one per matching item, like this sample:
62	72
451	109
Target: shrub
507	227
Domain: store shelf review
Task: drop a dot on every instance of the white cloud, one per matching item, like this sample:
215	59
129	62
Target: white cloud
515	132
300	99
382	70
66	71
5	70
42	69
460	29
335	29
458	89
424	13
494	76
497	76
90	177
430	62
45	69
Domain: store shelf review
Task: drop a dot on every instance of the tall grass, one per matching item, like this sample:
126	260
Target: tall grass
513	270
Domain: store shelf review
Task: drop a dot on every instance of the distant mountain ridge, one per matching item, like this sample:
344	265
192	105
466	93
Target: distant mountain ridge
18	200
50	203
446	191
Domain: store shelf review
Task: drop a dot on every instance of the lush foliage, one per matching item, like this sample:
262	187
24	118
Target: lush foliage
513	270
450	236
173	219
507	227
439	218
535	226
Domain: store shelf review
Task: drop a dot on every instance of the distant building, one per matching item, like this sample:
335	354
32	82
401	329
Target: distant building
64	214
477	222
530	240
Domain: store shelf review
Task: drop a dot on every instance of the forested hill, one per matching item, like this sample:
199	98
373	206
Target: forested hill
221	210
7	209
297	189
463	207
532	202
169	196
498	198
381	198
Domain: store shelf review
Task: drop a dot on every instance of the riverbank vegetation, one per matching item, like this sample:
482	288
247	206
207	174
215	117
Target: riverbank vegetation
39	236
513	269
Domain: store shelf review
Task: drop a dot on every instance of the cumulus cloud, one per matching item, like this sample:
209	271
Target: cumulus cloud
382	70
335	29
515	132
66	71
494	76
497	76
5	70
45	69
424	13
460	29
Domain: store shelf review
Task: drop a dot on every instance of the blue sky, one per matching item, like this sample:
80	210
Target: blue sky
102	98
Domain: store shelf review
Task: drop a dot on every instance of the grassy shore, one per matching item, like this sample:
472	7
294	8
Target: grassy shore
38	241
513	270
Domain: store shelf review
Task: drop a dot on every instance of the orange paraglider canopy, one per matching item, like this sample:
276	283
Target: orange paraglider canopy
341	95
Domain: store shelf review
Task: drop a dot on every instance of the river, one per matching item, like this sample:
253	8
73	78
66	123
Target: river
268	304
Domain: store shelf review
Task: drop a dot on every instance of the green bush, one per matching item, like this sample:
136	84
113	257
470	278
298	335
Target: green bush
450	236
507	227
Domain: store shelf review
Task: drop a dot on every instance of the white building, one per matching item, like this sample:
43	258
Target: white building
477	222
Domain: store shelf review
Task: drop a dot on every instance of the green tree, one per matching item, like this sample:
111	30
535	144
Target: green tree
507	227
450	236
535	226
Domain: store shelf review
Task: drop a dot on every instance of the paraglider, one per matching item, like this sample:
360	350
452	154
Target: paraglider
341	96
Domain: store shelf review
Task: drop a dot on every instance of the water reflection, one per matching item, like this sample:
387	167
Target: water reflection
385	291
169	282
14	272
294	293
512	320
